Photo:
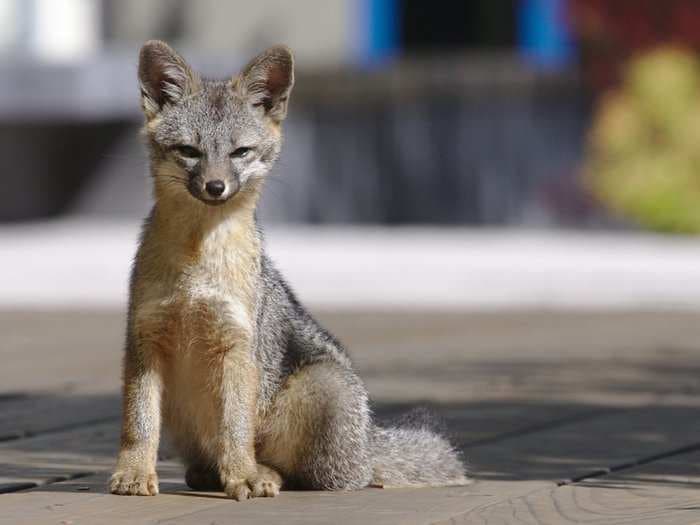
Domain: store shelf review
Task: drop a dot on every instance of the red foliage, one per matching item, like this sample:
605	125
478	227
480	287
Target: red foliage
610	31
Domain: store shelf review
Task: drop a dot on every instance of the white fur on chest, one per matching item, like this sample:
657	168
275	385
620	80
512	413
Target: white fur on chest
204	303
195	314
227	305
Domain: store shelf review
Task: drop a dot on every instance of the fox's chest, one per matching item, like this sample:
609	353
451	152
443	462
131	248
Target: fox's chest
193	321
200	303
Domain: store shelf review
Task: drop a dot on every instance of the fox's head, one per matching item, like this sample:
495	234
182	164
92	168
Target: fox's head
212	140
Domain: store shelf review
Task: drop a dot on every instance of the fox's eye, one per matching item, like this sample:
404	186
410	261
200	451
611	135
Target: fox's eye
240	153
188	152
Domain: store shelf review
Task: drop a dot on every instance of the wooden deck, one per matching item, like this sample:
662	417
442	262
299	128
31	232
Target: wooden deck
564	418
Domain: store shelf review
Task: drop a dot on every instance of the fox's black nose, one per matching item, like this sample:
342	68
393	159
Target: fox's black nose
215	187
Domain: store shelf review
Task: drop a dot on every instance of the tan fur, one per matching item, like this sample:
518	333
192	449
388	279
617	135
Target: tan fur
275	128
267	482
193	319
135	473
152	122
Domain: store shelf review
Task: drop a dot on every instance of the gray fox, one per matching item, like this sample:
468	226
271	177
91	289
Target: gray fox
253	391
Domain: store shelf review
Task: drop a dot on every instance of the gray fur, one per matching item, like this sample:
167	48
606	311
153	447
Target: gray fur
308	395
355	451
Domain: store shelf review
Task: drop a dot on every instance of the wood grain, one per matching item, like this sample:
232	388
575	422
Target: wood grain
37	414
533	398
661	492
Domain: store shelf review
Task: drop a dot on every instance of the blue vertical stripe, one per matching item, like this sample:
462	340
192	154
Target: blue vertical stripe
379	27
544	38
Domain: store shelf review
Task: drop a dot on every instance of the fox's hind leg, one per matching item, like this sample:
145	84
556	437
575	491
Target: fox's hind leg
316	434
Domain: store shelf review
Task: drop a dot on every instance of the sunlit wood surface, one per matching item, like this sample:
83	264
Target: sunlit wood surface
564	418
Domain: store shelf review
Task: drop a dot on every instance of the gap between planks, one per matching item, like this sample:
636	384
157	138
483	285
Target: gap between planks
694	447
27	434
17	487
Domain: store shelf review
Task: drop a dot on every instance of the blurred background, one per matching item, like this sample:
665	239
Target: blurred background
521	139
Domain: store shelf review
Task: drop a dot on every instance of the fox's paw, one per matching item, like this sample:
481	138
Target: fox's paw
265	483
237	489
134	482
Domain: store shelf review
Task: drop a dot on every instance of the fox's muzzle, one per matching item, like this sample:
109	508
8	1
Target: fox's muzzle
213	191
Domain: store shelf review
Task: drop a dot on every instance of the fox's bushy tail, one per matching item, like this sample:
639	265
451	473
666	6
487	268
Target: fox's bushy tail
411	452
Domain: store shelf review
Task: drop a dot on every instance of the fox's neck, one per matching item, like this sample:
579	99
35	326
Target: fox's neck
191	233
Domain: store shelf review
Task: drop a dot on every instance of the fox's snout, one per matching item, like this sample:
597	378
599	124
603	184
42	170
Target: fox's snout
214	190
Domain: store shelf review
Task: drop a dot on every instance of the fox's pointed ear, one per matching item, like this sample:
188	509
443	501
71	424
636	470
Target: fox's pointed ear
268	79
164	77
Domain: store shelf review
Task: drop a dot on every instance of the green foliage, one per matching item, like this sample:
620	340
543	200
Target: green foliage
644	148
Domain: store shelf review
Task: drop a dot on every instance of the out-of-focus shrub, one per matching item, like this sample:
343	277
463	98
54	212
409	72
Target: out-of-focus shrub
644	147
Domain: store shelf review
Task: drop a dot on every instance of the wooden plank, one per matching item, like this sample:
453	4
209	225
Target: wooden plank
532	397
36	414
86	349
483	356
594	445
93	450
601	359
506	470
84	501
668	499
573	449
61	352
661	492
59	455
92	447
475	423
612	359
507	335
680	469
80	354
78	452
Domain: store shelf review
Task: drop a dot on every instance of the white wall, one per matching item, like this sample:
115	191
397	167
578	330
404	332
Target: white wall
320	31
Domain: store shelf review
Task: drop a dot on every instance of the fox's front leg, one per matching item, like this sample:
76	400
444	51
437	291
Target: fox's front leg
136	466
236	439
